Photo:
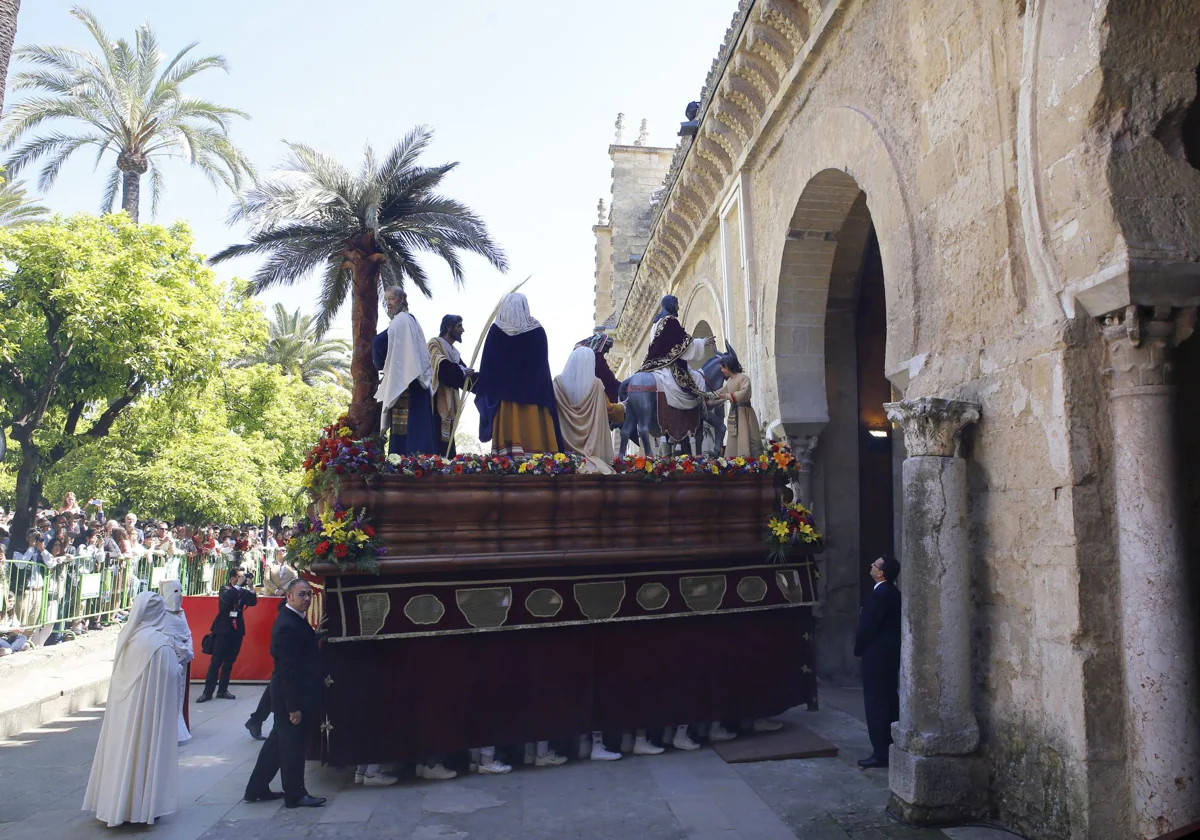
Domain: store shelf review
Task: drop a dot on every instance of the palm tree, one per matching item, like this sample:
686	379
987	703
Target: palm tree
8	33
16	208
365	231
297	346
126	101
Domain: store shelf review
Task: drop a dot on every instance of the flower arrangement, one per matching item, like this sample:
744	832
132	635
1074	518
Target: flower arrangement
778	459
421	466
336	454
335	535
789	529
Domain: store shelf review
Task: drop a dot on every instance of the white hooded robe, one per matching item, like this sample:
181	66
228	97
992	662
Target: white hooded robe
176	627
135	772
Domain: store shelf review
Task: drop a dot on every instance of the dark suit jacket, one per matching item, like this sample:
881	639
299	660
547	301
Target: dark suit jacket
878	634
232	600
296	684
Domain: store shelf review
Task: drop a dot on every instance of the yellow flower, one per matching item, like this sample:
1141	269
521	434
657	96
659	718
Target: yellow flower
741	462
714	469
523	467
649	467
561	458
309	479
358	536
344	432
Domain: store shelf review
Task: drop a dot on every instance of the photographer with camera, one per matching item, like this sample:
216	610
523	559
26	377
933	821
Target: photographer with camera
224	642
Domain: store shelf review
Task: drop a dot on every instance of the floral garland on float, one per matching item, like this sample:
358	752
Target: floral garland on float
791	529
335	535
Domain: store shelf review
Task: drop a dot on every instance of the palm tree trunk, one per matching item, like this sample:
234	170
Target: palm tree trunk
364	316
131	191
8	33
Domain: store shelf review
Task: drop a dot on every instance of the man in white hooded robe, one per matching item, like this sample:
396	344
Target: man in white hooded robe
176	628
135	772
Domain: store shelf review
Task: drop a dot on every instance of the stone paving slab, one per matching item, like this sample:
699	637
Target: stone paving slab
675	796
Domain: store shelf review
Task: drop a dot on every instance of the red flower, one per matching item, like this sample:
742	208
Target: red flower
322	547
339	514
339	469
418	472
368	530
458	468
341	550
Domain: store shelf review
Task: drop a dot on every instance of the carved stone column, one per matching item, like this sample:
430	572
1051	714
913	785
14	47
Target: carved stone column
933	772
1157	624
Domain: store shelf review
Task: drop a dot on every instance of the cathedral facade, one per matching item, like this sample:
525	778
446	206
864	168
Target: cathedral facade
956	246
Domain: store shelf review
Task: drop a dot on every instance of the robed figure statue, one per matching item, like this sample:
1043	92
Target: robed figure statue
450	376
681	390
402	355
515	393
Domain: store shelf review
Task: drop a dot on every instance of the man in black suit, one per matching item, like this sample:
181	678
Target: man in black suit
878	643
295	699
228	629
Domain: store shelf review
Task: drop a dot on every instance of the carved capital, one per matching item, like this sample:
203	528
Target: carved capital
932	426
804	447
1140	341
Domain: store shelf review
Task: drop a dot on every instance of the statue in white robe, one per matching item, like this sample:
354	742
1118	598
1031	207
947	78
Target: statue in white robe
177	630
135	772
583	409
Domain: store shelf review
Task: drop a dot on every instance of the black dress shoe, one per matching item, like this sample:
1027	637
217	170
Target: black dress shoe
255	731
871	763
203	698
265	796
225	695
307	801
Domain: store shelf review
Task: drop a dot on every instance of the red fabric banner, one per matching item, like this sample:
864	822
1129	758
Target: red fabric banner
254	662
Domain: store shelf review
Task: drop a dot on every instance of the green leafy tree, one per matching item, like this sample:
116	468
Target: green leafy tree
126	101
16	208
95	313
229	453
365	232
299	347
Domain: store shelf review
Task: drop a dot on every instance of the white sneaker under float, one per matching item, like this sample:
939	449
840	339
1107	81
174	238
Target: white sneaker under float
435	772
599	753
767	725
683	741
720	733
550	759
642	746
494	767
379	780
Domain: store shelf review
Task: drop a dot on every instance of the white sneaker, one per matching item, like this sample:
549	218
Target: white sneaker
643	747
379	780
720	733
767	725
683	741
550	759
494	768
599	753
438	773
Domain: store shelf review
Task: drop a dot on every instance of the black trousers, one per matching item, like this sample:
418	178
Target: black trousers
264	707
881	698
283	753
225	652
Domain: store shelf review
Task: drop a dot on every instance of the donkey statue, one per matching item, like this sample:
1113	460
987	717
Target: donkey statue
640	395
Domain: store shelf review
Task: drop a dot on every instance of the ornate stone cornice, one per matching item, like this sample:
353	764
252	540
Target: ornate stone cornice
761	51
932	426
1140	340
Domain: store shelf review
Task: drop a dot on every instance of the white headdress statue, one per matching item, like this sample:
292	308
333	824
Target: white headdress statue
513	317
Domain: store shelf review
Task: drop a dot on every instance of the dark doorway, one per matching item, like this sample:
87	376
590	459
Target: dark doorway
875	510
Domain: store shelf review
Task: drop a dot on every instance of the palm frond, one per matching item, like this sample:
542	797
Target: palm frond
16	208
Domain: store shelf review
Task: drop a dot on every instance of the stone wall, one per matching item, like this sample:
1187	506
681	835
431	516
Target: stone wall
1025	171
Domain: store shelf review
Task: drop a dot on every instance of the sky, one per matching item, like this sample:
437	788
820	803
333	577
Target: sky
522	93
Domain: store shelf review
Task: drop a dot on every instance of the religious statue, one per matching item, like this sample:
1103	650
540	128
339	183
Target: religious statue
402	354
450	377
742	440
135	772
583	408
514	393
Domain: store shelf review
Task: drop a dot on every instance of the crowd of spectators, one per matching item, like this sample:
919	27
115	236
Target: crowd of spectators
73	541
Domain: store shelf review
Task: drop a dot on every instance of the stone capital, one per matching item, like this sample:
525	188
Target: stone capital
932	426
1139	341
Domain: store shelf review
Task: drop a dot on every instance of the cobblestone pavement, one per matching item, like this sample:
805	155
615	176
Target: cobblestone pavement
696	795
